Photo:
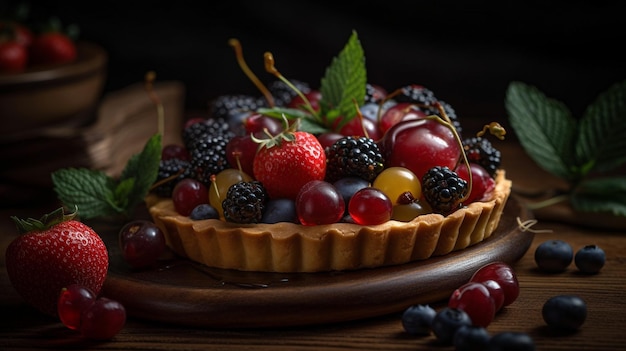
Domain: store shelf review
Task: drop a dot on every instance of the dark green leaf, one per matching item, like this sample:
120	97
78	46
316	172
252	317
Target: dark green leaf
345	80
89	190
545	128
602	132
601	195
143	168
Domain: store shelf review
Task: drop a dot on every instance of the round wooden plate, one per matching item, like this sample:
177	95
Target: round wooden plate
186	293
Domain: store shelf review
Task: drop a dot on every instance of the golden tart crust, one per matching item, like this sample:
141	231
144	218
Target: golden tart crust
289	247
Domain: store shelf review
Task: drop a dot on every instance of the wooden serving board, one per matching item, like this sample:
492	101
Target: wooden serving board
186	293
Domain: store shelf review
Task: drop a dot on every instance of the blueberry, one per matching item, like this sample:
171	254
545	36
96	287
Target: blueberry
554	256
280	210
447	321
470	338
417	319
511	341
204	211
564	312
590	259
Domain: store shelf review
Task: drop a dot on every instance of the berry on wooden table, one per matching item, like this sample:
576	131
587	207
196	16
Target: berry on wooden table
54	252
554	256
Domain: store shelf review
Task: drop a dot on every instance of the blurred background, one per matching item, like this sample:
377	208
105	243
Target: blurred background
467	52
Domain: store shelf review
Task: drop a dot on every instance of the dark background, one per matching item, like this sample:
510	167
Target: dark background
466	52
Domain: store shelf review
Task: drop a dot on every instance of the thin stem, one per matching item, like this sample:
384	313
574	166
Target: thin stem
244	67
149	86
548	202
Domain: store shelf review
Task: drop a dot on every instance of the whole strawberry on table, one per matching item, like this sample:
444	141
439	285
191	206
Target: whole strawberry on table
52	253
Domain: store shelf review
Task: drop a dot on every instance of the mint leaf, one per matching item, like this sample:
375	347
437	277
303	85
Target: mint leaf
601	195
602	132
545	129
87	189
144	169
344	83
98	195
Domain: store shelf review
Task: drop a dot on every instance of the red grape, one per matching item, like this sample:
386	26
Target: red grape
189	193
141	242
319	202
504	275
474	298
370	206
103	319
73	300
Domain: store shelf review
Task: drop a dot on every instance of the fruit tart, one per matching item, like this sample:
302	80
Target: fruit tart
344	177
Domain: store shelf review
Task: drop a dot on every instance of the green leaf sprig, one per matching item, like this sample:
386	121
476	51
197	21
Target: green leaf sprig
581	152
342	88
97	194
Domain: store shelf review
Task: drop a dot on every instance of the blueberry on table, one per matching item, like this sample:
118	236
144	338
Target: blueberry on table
471	337
511	341
554	256
590	259
446	323
417	319
567	312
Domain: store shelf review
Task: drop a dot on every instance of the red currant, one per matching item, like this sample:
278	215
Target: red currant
370	206
187	194
474	298
319	202
103	319
73	300
504	275
141	242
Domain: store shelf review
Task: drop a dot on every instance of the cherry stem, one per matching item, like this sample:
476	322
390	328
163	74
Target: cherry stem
270	67
149	86
445	120
217	190
548	202
494	128
359	115
236	45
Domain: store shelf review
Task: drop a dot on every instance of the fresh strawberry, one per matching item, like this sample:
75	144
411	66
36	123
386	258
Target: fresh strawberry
52	48
287	161
52	253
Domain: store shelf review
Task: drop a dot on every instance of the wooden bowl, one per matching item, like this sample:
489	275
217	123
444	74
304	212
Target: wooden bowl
44	96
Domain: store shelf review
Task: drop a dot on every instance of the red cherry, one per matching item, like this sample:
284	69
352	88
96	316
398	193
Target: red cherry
241	150
175	151
482	183
504	275
328	139
420	145
103	319
359	127
402	111
496	292
474	298
73	300
189	193
257	122
314	97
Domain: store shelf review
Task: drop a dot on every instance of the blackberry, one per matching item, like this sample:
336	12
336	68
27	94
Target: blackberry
169	169
224	105
218	126
283	94
443	189
245	202
416	94
480	151
374	94
353	156
206	142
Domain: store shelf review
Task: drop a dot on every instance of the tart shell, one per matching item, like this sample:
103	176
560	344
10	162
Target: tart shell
289	247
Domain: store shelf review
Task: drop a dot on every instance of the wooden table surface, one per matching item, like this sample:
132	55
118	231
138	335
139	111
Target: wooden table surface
22	328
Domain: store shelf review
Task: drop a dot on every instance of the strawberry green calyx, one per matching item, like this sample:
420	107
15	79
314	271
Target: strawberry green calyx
47	221
275	140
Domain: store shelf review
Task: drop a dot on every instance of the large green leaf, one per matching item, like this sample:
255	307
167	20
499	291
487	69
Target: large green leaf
545	128
602	133
601	195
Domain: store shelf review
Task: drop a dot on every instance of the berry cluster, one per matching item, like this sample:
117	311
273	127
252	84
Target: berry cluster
94	317
554	256
410	139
